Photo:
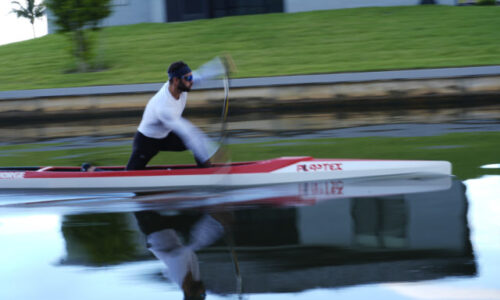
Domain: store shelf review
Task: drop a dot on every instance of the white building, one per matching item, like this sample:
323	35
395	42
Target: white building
159	11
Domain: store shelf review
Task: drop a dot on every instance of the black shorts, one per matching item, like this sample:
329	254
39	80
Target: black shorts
144	148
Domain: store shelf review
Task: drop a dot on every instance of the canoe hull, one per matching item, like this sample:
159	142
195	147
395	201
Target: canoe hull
275	171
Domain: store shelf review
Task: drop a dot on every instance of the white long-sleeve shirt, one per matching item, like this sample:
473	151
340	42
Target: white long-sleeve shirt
163	114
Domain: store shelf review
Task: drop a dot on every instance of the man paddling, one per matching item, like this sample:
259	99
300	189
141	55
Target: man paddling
163	128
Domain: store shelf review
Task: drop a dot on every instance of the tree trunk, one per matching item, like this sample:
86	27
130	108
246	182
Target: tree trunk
32	21
80	51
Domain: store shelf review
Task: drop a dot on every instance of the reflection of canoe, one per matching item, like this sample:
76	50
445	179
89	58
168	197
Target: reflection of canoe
295	194
284	195
273	171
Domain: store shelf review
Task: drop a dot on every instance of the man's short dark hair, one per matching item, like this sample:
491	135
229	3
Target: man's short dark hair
175	67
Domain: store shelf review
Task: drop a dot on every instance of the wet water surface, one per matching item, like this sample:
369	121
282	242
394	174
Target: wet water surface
372	238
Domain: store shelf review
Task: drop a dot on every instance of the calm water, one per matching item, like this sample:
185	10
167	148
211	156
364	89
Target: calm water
379	238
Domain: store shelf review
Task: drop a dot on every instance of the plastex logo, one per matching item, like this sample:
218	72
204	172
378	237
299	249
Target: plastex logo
319	167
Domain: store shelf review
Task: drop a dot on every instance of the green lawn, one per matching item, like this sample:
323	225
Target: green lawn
466	151
267	45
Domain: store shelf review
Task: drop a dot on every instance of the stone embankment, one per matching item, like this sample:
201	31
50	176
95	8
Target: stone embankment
446	86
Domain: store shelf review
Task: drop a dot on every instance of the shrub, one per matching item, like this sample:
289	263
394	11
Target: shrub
486	2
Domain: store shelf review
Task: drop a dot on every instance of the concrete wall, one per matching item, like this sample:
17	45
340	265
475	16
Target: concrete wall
292	6
127	12
411	92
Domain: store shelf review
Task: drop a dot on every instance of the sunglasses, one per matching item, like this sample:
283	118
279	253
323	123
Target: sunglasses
188	77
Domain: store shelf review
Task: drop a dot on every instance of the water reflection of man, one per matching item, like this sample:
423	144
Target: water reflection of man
163	237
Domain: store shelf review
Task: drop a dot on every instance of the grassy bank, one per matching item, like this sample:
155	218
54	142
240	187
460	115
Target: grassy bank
466	151
267	45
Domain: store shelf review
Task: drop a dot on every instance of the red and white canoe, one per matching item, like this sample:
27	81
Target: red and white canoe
240	174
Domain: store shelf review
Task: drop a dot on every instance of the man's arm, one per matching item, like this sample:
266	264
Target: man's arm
194	139
215	68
